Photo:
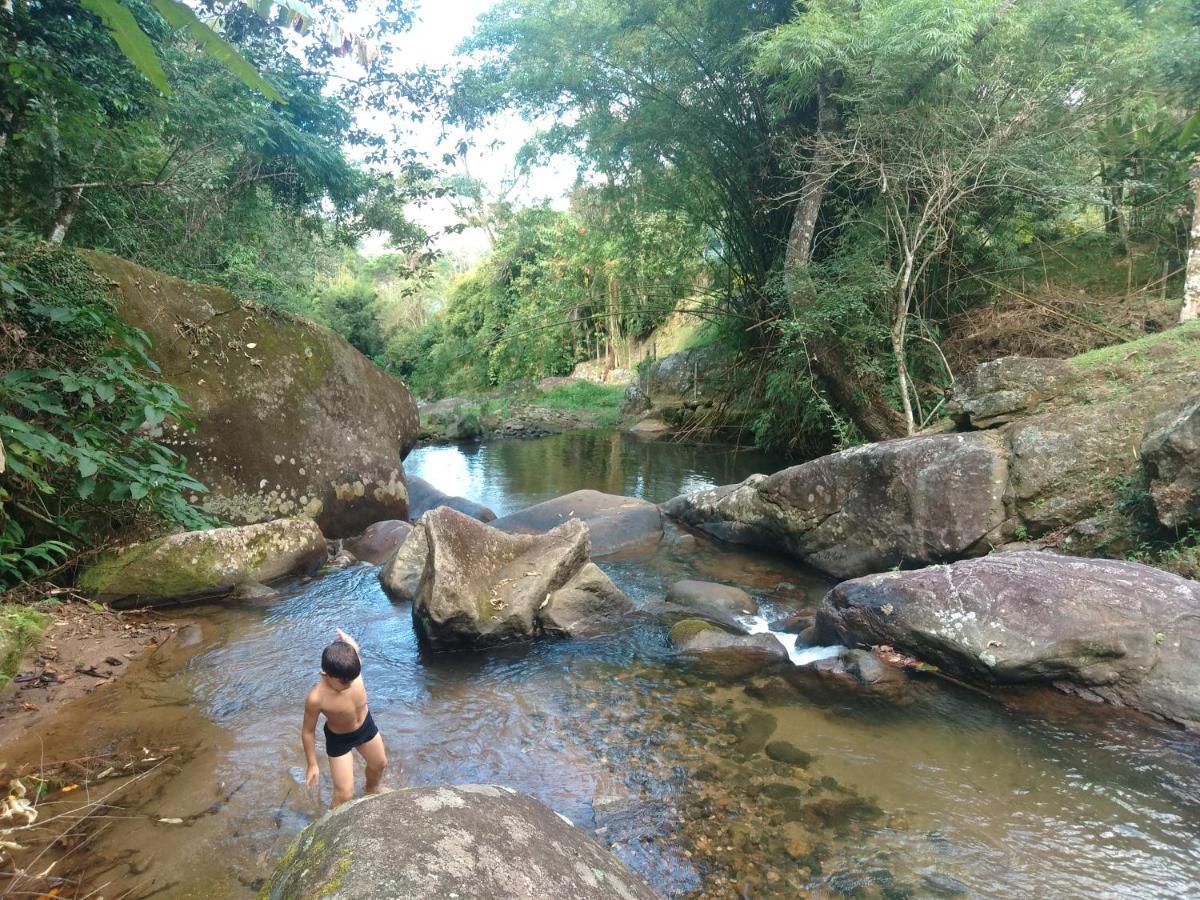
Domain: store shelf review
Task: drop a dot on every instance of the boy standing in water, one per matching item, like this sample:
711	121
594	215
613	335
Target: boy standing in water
342	697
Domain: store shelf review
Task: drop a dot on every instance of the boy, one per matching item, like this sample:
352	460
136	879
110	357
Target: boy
342	697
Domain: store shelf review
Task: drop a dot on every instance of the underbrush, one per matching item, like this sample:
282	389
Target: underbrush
20	626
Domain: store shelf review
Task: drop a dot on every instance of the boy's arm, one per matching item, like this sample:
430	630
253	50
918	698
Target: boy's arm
342	636
308	737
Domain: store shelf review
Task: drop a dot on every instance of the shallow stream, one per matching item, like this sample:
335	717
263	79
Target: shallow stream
937	791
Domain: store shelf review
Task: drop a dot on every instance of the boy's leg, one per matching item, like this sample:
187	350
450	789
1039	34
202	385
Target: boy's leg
376	758
341	769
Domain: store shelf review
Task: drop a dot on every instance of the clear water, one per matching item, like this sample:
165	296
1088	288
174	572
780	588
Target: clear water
925	792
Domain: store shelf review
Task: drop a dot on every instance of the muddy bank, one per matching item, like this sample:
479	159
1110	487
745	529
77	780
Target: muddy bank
83	650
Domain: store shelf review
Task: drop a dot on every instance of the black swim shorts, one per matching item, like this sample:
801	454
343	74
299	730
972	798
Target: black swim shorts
341	744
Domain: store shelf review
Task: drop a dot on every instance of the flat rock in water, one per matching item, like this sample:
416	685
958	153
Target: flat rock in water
478	841
423	496
616	523
718	603
1118	631
381	539
720	653
205	563
473	586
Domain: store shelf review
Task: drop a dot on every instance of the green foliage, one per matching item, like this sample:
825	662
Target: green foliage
602	400
19	627
79	403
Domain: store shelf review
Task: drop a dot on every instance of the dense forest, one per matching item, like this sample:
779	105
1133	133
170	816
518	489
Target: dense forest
860	201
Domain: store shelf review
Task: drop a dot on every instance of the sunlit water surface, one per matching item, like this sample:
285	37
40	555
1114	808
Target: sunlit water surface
937	791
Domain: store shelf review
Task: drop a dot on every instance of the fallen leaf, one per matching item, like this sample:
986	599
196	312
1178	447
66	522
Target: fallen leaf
171	821
70	787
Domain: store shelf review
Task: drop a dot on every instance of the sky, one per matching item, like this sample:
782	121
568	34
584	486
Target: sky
438	29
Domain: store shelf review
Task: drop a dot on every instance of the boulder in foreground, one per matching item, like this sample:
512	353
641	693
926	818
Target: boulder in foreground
473	586
199	564
475	840
1115	631
615	523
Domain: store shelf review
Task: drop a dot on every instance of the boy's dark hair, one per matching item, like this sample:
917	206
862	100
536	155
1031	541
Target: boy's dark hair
339	660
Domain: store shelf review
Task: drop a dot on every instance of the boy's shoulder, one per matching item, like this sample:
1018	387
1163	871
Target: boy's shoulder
316	696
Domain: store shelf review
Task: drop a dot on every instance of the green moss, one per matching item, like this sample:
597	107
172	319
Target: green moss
334	883
683	631
184	571
20	626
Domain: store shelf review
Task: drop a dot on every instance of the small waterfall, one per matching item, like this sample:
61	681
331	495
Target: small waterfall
800	656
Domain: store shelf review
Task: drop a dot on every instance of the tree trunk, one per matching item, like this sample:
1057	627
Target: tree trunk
859	397
1191	284
66	214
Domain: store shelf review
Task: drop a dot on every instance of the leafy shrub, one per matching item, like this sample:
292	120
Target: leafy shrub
78	399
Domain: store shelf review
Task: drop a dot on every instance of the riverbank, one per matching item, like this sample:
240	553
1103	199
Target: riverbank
523	409
78	649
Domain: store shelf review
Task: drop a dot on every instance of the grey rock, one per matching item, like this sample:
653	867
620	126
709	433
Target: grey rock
1171	456
716	651
787	752
480	587
423	496
477	841
250	591
1118	630
1004	389
401	575
615	523
866	509
585	606
381	539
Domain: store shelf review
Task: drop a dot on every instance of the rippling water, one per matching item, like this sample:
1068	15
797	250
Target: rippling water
933	791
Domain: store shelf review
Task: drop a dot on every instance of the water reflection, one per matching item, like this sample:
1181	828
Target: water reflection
508	475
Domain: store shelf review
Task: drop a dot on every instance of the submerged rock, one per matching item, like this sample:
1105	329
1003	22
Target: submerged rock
290	419
720	653
423	496
474	586
866	509
1117	631
379	542
615	523
205	563
479	841
717	603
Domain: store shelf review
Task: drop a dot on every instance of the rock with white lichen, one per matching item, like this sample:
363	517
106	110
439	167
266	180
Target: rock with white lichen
198	564
290	419
1106	629
473	840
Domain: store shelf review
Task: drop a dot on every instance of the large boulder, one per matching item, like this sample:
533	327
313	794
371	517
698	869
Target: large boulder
198	564
1171	454
478	841
615	523
479	587
423	496
379	542
290	419
1119	631
916	500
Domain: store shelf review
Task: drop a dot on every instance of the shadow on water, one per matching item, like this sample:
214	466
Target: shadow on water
766	787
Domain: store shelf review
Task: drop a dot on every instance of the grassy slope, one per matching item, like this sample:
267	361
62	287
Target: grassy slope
20	626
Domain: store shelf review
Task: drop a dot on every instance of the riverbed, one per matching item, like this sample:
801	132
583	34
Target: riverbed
936	790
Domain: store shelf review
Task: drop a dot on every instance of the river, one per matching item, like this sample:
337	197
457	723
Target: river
939	790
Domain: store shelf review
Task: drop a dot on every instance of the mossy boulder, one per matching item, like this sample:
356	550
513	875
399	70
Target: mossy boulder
717	652
290	419
474	840
198	564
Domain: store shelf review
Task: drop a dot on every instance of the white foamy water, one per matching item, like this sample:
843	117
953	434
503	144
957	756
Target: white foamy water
800	656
